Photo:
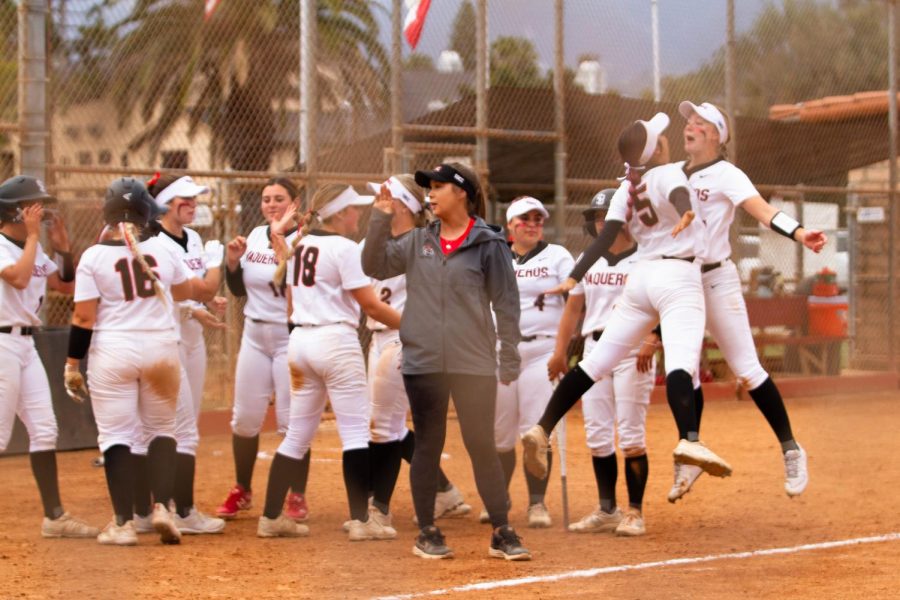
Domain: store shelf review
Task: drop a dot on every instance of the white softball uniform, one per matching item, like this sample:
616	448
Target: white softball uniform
663	287
133	367
721	187
262	367
521	403
324	355
24	389
618	402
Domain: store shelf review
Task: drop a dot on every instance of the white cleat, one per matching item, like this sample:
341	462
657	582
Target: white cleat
118	535
281	526
164	525
536	443
143	524
796	474
685	476
450	504
696	453
598	522
483	516
67	526
198	523
539	516
632	524
376	527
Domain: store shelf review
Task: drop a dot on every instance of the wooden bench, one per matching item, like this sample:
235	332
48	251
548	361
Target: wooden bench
782	321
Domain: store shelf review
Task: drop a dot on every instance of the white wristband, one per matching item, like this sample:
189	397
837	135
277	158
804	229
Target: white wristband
785	225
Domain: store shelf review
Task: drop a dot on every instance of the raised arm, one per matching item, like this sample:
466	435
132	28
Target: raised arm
382	257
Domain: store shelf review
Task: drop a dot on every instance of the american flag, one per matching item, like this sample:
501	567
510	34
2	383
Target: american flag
209	7
415	20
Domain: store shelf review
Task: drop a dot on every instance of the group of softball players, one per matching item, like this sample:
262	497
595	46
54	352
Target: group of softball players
485	317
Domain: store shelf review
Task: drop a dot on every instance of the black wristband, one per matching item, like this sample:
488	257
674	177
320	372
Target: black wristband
79	341
291	327
785	225
658	331
66	264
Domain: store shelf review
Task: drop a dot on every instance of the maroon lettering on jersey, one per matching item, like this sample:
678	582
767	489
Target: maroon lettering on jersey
40	271
194	264
536	272
606	278
261	258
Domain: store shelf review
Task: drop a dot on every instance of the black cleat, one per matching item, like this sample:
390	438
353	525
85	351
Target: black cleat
430	544
506	544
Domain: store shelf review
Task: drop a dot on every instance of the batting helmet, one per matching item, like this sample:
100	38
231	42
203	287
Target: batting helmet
17	190
127	201
599	203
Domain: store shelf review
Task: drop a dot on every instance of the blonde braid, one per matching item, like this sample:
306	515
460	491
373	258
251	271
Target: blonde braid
130	235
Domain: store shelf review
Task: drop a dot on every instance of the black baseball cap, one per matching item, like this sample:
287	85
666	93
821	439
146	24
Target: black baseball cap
24	188
446	174
599	203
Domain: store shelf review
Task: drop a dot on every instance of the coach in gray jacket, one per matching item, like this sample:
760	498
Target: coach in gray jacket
457	270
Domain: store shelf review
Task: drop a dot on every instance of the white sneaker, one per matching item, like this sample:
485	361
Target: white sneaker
118	535
450	504
597	522
536	443
196	523
483	516
632	524
685	476
796	475
376	527
164	525
143	524
67	526
539	516
696	453
281	526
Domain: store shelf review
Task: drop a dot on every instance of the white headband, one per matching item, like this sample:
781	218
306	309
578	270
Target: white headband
707	112
654	128
348	197
183	187
399	191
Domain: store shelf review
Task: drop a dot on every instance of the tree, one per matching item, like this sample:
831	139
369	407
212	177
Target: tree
462	39
419	62
238	70
802	51
514	63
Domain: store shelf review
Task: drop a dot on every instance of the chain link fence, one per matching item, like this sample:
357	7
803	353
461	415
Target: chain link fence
233	92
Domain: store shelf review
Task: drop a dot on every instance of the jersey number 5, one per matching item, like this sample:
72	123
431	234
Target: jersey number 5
644	209
305	265
135	282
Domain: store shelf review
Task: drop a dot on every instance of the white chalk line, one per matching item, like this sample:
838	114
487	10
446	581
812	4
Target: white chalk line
585	573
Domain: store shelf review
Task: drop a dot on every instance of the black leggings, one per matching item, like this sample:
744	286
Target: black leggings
475	399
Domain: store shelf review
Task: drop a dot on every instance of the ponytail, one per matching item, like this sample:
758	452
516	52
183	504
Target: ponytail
130	235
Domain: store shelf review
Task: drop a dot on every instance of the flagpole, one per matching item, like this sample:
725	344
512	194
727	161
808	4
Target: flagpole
307	93
396	158
654	25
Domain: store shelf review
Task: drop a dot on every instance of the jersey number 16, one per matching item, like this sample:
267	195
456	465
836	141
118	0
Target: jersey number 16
135	282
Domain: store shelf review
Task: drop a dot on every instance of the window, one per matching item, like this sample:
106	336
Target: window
104	157
175	159
84	159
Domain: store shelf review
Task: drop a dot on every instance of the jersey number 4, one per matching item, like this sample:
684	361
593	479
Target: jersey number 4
135	282
305	259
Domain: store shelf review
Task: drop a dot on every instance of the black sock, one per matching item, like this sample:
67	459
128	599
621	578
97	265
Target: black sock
637	469
508	462
680	394
384	462
769	402
698	403
119	480
280	475
185	465
143	498
356	480
43	465
161	467
408	446
301	476
606	472
244	449
567	393
537	488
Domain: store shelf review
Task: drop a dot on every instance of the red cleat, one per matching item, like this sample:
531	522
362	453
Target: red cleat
295	507
238	499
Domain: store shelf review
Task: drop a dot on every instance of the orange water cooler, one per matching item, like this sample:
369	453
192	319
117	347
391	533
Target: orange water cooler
827	309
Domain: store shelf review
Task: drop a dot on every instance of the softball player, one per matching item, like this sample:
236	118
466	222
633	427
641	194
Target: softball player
124	292
617	403
262	367
391	439
326	289
25	274
663	287
538	266
721	187
175	199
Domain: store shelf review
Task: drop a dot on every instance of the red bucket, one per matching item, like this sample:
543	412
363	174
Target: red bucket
828	315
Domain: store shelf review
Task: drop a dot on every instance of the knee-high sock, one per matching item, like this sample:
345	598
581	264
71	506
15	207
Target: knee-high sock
119	481
606	472
301	476
356	480
143	498
244	449
537	488
698	402
161	467
769	402
508	462
680	394
283	469
185	467
567	393
43	465
385	462
637	469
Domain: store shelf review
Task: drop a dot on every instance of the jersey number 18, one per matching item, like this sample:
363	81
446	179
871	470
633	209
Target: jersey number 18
305	259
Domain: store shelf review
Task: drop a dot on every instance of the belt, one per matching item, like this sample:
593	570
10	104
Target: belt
19	330
596	334
531	338
710	267
318	325
689	259
264	322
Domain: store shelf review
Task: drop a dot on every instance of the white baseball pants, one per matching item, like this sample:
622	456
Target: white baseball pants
25	391
262	369
521	403
386	390
193	357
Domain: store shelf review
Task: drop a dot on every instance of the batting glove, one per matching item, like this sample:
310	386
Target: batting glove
76	387
213	254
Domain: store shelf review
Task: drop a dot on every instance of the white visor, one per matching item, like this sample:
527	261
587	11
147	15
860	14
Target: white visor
183	187
707	112
654	128
524	206
399	192
348	197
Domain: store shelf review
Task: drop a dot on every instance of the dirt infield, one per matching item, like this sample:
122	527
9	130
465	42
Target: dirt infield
855	474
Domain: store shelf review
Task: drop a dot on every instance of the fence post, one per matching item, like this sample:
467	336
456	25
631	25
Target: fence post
396	157
482	54
892	174
33	87
559	84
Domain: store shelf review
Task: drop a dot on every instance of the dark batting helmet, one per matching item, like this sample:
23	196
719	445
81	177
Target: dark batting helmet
127	201
18	190
599	203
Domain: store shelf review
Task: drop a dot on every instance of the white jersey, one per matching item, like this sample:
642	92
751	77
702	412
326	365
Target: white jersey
601	287
321	272
535	274
720	188
654	216
265	300
190	249
19	308
109	272
390	291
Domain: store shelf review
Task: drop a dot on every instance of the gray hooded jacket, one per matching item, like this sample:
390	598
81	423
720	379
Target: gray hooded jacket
447	325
